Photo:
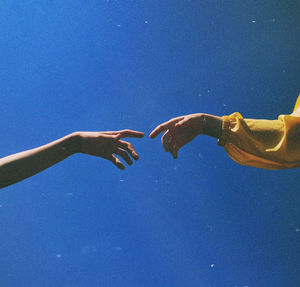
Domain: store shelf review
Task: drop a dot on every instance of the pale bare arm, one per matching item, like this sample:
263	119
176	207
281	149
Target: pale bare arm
181	130
17	167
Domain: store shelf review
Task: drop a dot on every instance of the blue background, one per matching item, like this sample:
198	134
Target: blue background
198	221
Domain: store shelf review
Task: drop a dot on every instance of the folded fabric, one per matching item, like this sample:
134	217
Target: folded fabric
269	144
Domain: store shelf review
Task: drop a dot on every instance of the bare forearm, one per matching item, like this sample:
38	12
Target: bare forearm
17	167
212	125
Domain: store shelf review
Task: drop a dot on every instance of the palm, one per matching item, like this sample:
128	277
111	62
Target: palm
178	132
109	144
182	136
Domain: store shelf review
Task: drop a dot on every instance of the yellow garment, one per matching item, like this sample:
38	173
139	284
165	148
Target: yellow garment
269	144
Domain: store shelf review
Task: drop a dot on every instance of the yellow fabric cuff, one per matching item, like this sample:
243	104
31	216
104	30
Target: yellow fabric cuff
225	131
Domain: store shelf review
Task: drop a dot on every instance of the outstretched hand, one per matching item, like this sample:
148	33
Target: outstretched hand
109	145
179	131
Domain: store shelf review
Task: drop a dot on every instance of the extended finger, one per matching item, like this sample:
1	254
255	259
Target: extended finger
163	127
130	133
129	148
125	133
116	162
124	155
158	130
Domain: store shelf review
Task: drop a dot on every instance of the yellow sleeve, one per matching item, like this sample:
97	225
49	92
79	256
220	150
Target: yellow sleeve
269	144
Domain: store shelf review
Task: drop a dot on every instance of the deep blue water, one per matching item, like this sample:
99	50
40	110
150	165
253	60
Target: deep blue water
198	221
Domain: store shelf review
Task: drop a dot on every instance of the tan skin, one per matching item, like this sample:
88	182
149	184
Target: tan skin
107	145
181	130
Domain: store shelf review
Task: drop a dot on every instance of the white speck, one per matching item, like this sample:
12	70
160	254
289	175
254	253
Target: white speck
199	95
89	250
200	155
208	91
297	229
69	194
212	265
146	22
156	181
224	105
117	248
125	117
1	205
253	21
272	20
58	255
121	180
118	25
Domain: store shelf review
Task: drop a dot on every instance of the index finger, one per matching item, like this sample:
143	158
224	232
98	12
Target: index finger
163	127
130	133
159	129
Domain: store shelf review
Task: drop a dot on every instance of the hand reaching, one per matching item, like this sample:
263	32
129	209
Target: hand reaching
179	131
109	144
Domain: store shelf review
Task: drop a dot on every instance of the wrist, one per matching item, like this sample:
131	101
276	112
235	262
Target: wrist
74	143
201	123
211	125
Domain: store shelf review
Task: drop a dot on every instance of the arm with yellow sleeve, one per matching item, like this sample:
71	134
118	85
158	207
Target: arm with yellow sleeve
269	144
